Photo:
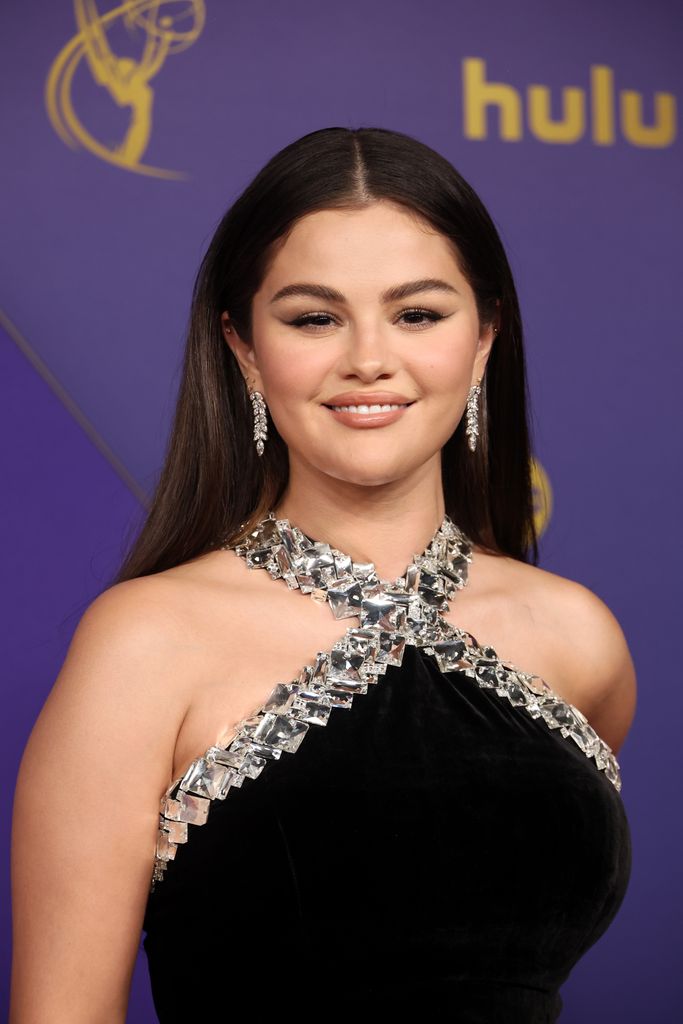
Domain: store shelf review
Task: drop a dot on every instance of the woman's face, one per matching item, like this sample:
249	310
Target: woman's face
343	338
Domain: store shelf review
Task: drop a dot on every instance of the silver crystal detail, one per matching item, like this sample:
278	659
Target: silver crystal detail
408	610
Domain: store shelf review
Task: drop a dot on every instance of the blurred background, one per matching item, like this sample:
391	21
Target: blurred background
129	129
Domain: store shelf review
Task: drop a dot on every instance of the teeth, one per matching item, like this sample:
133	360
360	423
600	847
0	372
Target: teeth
366	408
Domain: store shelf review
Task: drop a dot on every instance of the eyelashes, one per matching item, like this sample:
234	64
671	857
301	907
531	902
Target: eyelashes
307	320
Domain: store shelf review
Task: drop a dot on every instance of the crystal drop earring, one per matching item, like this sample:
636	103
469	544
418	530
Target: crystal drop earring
472	428
258	405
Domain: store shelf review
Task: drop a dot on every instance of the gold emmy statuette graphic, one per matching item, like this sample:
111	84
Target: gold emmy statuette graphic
543	496
168	27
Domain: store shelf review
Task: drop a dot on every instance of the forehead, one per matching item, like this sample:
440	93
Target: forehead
382	241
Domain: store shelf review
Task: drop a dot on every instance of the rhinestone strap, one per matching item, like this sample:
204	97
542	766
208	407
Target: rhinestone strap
409	611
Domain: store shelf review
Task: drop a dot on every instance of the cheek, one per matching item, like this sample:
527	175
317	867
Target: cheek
298	366
444	382
444	376
294	379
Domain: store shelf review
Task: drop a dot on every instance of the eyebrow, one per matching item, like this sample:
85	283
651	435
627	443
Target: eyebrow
399	291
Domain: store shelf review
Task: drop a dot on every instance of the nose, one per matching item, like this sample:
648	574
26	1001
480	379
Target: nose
369	352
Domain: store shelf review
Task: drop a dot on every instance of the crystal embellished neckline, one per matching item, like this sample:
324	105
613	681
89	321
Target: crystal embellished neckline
328	574
408	611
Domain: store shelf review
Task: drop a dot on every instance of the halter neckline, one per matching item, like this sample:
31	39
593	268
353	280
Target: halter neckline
324	571
392	616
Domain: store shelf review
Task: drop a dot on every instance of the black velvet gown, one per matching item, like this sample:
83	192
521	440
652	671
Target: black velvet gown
434	848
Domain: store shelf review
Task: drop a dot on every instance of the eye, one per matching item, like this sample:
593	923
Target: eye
431	315
308	319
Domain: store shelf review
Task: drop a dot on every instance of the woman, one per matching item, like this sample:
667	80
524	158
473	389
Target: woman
399	783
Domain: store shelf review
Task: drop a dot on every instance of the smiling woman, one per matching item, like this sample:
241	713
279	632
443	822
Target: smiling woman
367	336
292	806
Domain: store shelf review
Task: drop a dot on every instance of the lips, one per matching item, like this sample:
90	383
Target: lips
359	419
369	407
368	398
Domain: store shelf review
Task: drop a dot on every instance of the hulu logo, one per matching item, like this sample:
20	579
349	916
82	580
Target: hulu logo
599	110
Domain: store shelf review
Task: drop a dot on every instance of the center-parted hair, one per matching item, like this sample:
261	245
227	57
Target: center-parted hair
212	480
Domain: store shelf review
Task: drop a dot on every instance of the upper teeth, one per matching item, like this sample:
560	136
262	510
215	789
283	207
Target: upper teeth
366	408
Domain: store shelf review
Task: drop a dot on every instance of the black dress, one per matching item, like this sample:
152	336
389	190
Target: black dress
452	841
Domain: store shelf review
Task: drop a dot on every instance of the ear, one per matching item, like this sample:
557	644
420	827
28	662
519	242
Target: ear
242	351
484	346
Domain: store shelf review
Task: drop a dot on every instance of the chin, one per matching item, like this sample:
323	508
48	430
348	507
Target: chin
366	465
366	475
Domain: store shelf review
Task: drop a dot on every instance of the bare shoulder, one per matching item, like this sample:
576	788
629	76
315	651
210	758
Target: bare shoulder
158	625
126	649
141	624
85	813
594	663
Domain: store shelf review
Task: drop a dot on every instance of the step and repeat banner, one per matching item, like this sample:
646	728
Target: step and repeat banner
130	128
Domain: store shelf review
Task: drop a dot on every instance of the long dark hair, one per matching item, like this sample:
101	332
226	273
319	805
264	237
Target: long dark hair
212	481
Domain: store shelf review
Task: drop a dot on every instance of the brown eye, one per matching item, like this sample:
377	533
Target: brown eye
431	316
308	320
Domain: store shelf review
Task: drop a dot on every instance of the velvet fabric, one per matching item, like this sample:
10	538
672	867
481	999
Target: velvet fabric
433	848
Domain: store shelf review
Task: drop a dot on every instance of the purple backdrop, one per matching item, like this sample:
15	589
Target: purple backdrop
115	176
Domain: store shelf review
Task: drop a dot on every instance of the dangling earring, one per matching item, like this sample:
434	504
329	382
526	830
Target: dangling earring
258	406
472	429
260	423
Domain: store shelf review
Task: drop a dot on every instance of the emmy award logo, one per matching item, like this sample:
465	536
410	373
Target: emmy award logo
166	26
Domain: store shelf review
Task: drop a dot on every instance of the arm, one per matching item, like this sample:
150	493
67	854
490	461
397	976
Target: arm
86	808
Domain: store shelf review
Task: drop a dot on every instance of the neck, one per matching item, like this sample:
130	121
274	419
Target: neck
386	525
